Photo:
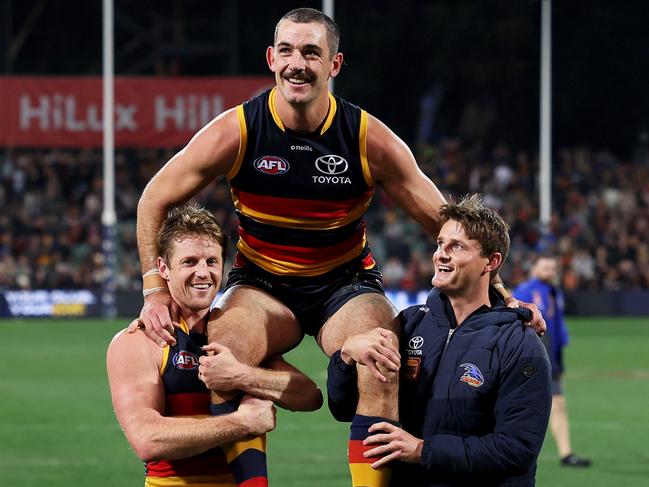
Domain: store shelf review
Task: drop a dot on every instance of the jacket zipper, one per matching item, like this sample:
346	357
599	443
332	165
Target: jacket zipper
448	339
441	359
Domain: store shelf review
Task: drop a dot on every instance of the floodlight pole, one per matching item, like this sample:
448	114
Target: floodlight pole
108	216
545	162
328	9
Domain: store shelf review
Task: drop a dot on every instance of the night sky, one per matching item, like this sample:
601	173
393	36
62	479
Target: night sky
475	55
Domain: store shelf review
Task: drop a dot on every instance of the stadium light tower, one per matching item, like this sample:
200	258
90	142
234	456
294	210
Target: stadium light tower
545	170
108	216
328	9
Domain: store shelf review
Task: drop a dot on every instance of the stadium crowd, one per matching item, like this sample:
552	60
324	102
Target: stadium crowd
51	230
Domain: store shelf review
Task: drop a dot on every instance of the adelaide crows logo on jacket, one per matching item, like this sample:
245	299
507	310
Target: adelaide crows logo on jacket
472	375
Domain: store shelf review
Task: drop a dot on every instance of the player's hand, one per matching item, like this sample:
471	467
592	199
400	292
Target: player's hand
257	414
220	370
158	317
537	323
393	443
511	302
377	346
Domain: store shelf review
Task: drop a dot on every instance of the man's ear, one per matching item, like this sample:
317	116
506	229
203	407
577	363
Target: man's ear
163	268
270	57
494	263
336	64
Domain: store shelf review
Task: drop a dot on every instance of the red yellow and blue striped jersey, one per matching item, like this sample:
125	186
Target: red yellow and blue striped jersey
301	197
186	395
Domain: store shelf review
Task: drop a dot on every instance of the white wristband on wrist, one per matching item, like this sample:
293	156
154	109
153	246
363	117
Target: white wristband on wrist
146	292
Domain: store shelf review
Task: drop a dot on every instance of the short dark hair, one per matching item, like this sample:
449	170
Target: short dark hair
313	16
185	222
480	223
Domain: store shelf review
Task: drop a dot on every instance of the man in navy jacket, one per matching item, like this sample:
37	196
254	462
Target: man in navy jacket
475	383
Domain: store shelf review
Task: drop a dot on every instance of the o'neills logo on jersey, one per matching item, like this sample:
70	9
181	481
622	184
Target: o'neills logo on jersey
271	165
331	166
185	360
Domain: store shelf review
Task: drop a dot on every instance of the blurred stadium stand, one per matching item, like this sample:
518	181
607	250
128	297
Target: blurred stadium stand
51	232
469	91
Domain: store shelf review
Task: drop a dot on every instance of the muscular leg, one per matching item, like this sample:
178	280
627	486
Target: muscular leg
378	401
361	314
254	326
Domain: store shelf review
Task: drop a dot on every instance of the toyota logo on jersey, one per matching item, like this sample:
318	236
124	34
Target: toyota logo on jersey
414	346
331	164
271	165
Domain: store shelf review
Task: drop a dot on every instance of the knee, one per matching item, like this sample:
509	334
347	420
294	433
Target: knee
393	335
392	377
386	334
367	380
392	329
246	348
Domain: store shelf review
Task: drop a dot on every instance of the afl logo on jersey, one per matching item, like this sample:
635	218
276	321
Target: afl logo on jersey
185	360
271	165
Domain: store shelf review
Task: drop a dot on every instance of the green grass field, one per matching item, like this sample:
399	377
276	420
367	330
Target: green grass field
57	427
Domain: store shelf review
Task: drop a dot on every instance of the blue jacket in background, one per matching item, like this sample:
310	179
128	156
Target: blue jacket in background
550	302
479	395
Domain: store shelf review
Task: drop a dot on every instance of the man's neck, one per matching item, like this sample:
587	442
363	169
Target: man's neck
465	304
302	117
196	320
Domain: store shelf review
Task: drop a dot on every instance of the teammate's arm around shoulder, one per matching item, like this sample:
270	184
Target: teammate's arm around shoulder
210	153
393	166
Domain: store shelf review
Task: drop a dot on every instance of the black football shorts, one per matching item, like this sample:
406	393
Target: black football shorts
312	299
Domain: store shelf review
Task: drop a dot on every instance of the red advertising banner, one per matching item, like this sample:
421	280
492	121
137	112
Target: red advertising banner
149	112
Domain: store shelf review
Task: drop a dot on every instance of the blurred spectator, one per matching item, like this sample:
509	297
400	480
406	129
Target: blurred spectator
543	289
50	230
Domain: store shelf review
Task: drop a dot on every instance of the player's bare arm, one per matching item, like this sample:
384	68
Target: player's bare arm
537	323
393	166
277	380
377	346
211	153
138	399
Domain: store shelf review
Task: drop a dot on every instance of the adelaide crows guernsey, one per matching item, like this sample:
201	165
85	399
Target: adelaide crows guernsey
187	395
301	197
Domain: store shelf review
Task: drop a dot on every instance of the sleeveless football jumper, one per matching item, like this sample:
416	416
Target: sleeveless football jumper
186	395
301	197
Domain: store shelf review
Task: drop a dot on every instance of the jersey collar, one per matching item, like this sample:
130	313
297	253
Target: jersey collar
278	121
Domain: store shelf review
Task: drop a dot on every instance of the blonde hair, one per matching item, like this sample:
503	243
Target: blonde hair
189	221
